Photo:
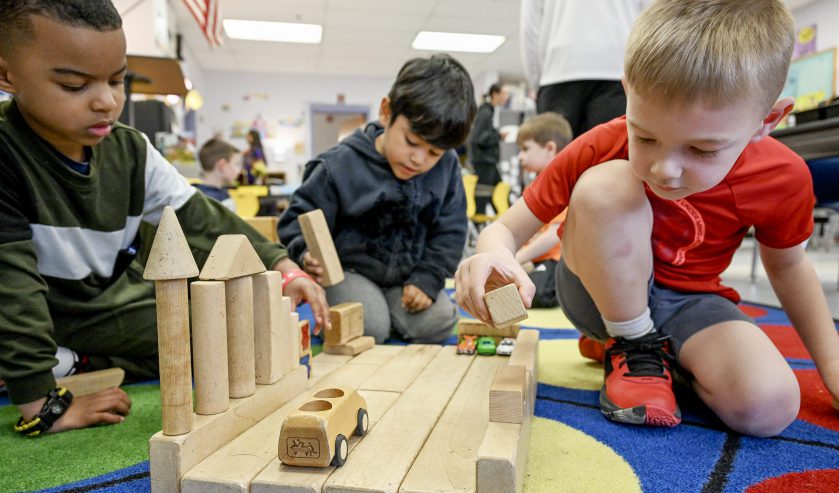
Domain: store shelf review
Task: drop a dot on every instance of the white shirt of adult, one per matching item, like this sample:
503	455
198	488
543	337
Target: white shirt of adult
565	40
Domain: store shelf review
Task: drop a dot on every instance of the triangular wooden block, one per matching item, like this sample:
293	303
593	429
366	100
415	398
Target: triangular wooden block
232	256
170	257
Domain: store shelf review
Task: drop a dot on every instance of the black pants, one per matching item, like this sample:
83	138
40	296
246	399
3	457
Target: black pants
487	175
584	103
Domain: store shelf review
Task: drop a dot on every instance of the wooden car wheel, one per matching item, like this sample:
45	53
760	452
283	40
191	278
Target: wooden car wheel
341	451
363	423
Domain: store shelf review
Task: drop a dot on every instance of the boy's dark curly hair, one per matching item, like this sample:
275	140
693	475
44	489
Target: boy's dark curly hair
16	23
436	96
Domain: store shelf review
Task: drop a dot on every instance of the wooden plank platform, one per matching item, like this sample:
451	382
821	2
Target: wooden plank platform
429	418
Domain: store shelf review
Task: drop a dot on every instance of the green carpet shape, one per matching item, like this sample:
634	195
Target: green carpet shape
53	459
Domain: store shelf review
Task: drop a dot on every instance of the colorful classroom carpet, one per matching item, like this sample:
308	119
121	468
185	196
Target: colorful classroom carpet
572	447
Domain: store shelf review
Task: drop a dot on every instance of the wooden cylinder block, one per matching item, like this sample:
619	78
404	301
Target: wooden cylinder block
241	363
209	347
173	349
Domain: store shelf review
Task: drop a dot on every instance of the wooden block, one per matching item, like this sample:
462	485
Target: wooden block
209	347
384	456
447	460
323	364
241	366
526	353
232	256
347	323
233	466
377	355
277	476
505	306
266	225
507	395
92	381
398	374
502	457
353	347
170	256
290	349
170	457
267	323
174	355
319	242
478	328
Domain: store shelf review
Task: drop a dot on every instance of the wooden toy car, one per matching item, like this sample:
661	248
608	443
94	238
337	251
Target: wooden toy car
316	434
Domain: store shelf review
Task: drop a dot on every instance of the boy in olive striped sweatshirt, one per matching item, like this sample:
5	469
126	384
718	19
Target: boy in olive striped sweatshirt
75	187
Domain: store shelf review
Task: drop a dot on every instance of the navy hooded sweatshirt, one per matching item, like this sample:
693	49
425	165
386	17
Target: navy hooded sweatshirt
391	231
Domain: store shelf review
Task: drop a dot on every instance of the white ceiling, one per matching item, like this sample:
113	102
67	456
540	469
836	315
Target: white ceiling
362	37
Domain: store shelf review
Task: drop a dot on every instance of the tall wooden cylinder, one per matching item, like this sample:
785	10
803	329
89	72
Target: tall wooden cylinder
209	347
241	363
173	349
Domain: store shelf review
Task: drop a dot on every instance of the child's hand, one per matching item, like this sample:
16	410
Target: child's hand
312	267
414	299
305	289
487	271
109	406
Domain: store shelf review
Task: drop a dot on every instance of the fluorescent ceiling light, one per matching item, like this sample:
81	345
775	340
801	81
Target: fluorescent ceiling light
281	32
471	43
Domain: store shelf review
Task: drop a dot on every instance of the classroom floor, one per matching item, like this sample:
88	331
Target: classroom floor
825	258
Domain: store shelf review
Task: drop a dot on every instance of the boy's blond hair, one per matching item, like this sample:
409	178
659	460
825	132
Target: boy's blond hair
712	51
213	151
545	127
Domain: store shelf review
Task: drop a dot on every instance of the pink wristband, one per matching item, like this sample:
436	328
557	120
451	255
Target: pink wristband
294	274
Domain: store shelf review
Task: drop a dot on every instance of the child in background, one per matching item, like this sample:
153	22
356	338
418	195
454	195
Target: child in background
75	188
221	164
658	203
254	163
540	138
393	198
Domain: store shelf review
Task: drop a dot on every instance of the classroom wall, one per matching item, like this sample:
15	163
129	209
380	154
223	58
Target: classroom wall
825	15
279	105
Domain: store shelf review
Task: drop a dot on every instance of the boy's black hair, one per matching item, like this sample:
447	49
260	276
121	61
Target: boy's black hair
436	96
16	23
213	151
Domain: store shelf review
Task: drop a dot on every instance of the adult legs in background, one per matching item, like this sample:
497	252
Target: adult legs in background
584	103
430	326
356	287
606	101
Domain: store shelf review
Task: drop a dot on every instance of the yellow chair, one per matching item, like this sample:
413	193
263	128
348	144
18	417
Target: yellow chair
246	198
476	222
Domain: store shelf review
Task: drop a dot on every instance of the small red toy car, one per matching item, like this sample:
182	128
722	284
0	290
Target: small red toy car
467	344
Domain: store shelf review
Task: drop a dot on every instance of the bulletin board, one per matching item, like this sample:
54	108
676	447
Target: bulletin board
812	79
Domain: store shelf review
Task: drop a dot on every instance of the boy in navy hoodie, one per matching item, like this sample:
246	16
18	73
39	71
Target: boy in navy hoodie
393	198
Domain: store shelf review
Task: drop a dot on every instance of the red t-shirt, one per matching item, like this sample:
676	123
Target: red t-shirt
694	239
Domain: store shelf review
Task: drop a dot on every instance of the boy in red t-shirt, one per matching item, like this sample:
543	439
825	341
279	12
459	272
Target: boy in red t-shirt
659	201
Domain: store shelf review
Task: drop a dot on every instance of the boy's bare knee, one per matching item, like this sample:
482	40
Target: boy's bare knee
609	188
763	412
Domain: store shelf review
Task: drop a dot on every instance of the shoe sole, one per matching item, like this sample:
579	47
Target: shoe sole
638	415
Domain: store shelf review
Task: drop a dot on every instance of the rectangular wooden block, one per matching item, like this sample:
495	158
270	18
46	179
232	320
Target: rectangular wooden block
319	242
502	457
398	373
478	328
171	457
377	355
353	347
347	323
526	353
507	395
93	381
382	459
447	460
505	306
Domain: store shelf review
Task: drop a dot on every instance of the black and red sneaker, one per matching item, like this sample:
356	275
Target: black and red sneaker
638	387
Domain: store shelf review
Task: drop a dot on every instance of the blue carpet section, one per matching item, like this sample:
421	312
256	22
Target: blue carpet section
134	479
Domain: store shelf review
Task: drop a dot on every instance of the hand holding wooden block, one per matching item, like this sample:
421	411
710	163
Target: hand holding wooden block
505	306
320	245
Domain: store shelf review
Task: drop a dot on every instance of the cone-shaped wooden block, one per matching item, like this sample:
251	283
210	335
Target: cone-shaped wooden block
232	256
170	257
170	265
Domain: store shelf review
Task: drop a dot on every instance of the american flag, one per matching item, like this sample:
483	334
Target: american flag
208	15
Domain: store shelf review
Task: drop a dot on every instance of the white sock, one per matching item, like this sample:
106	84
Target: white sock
67	359
631	329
